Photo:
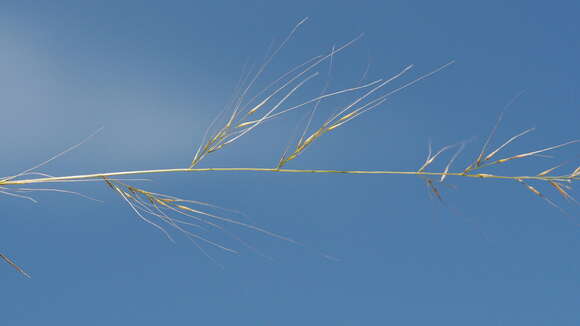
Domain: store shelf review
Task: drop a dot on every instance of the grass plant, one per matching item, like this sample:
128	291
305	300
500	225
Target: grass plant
248	112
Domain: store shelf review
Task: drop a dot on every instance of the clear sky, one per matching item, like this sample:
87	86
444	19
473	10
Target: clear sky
154	74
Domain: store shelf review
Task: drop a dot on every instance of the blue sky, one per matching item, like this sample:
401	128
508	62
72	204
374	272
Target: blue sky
155	74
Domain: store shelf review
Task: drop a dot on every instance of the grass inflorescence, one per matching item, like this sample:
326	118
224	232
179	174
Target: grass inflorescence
248	113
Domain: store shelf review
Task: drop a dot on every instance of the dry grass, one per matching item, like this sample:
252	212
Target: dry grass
248	113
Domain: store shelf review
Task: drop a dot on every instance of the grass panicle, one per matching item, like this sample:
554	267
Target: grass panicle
249	110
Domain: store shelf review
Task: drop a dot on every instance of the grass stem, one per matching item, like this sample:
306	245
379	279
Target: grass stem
275	170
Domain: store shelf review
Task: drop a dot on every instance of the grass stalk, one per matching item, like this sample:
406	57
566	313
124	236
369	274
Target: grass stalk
12	182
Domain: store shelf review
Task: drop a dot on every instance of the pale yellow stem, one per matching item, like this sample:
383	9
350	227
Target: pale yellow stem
8	181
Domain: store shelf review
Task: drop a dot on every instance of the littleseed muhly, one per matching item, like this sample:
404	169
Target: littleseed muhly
161	210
